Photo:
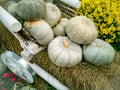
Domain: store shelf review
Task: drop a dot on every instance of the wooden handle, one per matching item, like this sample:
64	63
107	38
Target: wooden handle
49	78
9	21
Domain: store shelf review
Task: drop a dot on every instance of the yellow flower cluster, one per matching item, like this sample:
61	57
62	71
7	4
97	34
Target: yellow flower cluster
106	15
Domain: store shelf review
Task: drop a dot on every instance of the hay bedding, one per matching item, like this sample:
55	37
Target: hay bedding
83	76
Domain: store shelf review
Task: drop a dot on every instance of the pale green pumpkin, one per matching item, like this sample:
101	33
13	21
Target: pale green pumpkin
31	9
81	29
99	52
63	52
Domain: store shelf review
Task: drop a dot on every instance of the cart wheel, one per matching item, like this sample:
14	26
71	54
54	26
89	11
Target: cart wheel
18	65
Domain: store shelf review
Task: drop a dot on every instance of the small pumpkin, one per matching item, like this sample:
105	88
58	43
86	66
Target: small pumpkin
3	67
40	30
64	21
81	29
12	8
59	30
31	10
53	14
99	52
63	52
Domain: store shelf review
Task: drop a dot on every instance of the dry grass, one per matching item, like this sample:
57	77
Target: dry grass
8	41
83	76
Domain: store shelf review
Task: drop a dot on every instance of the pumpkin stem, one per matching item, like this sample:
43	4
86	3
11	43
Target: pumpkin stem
66	44
98	45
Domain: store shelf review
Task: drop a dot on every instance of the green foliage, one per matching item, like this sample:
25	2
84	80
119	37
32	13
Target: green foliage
7	80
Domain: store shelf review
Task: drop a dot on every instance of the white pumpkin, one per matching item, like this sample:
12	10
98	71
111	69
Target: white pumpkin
99	52
59	30
81	29
53	14
40	30
64	21
63	52
3	68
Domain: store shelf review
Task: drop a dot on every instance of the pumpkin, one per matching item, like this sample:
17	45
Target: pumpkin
53	14
40	30
64	21
81	29
31	10
12	8
59	30
99	52
3	68
63	52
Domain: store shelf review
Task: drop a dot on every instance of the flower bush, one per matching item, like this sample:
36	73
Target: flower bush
7	80
106	15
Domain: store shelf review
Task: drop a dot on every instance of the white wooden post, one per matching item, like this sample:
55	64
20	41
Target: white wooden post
8	20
